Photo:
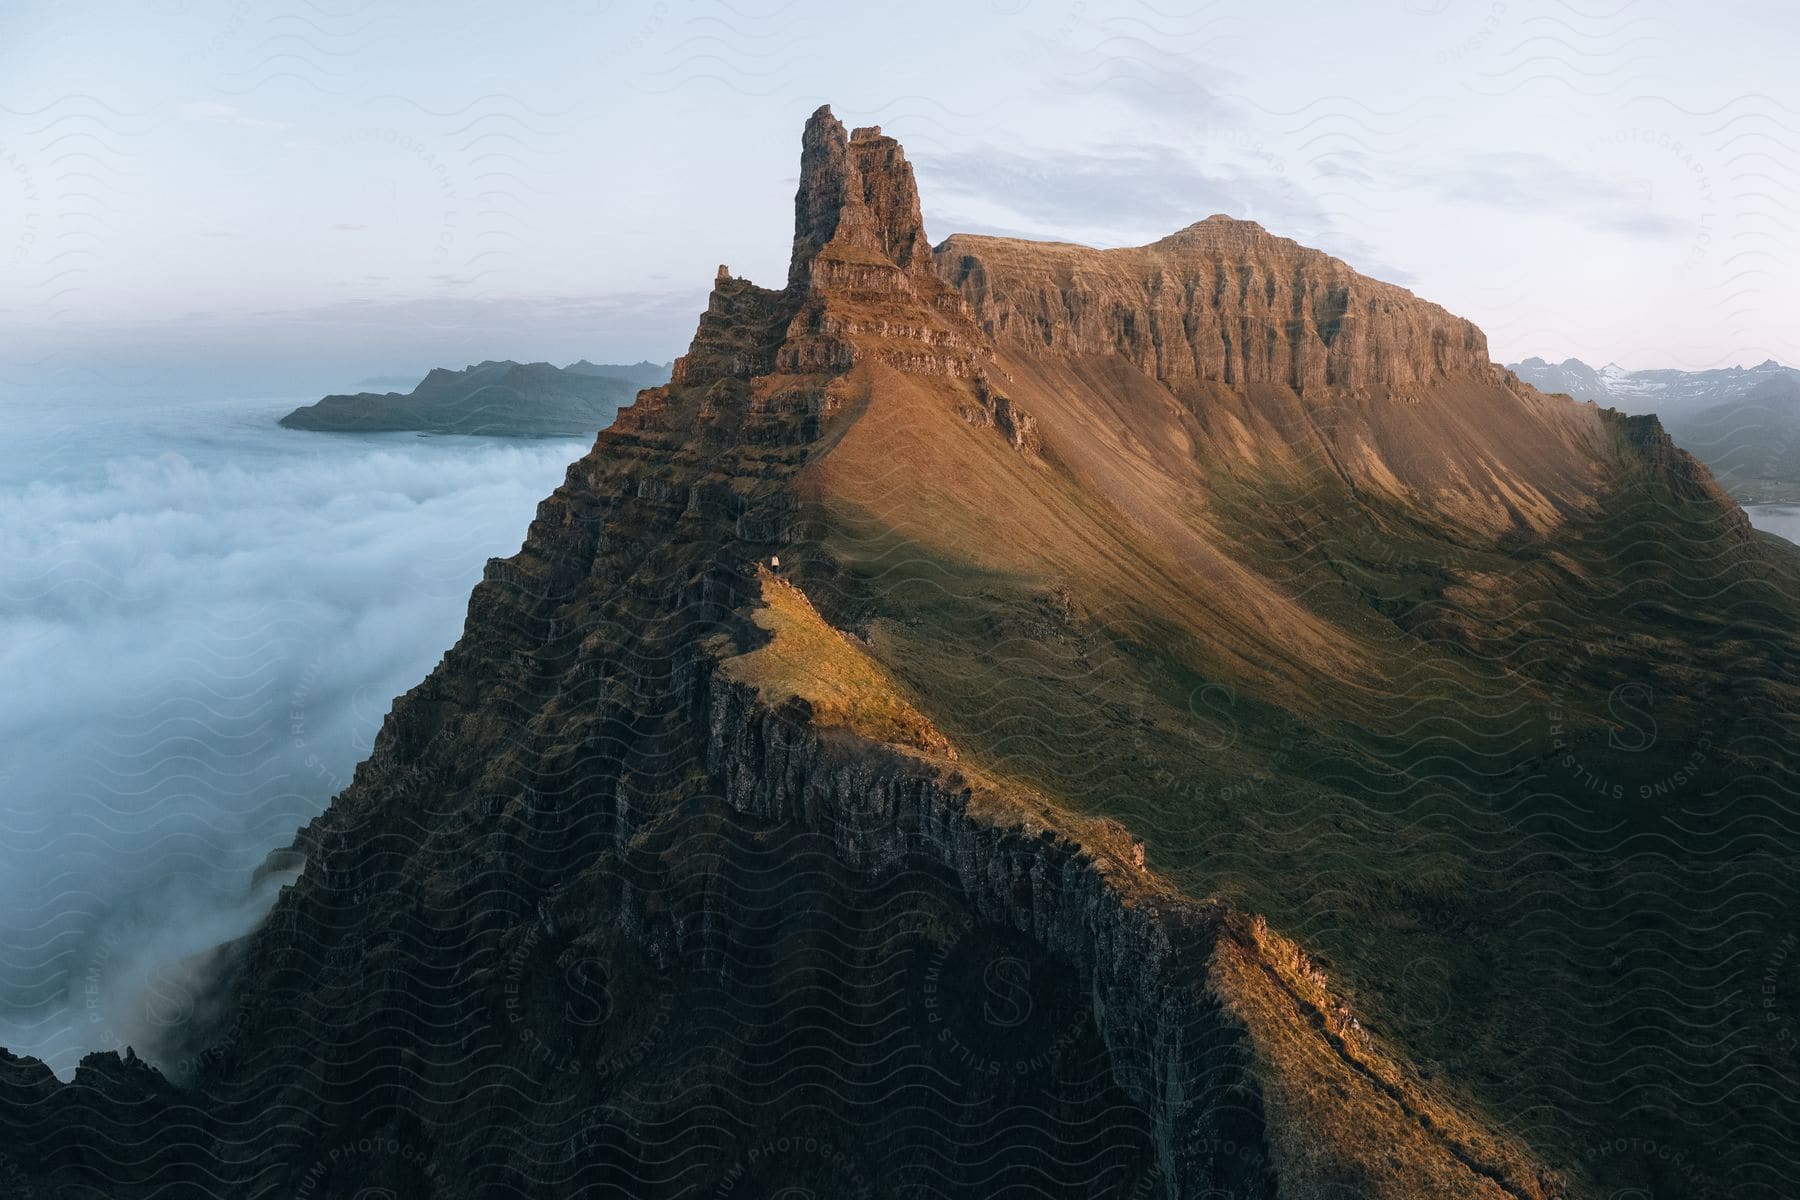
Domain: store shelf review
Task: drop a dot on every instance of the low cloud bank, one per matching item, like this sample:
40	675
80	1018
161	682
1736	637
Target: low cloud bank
202	622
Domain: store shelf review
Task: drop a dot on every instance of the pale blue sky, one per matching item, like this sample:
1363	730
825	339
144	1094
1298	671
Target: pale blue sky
295	195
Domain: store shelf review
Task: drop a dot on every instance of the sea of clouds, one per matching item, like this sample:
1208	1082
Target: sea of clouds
203	620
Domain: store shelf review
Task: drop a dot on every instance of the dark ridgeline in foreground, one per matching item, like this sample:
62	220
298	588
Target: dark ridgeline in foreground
498	399
1209	731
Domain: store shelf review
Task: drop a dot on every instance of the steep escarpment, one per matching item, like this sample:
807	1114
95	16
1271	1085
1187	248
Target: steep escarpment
910	751
1202	1011
1671	468
1289	364
1220	301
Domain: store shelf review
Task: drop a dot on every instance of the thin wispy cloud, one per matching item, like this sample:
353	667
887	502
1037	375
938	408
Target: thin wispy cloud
1524	182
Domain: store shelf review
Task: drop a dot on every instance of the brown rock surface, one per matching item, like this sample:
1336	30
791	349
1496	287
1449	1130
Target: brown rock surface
1287	359
856	193
1221	301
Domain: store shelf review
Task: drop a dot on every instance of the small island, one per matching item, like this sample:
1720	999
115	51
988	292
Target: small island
494	398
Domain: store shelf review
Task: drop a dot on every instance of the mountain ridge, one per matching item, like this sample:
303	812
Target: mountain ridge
1187	637
496	397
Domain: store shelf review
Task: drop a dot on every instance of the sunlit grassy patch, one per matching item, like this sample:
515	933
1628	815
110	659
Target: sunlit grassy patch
806	657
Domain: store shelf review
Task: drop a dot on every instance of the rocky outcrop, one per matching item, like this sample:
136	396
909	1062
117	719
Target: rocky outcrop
1670	470
856	195
739	334
996	411
861	273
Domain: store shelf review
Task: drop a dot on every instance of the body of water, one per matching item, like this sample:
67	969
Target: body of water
1781	519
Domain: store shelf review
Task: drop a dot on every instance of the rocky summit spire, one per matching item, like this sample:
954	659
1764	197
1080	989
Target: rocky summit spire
857	193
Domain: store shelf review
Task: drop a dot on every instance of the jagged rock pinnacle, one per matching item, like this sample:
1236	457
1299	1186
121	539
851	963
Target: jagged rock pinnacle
856	191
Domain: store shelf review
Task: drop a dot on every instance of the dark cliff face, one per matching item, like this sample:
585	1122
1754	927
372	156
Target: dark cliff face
1669	467
611	911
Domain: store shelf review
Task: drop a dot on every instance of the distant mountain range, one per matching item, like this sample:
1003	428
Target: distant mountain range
1742	422
498	398
644	374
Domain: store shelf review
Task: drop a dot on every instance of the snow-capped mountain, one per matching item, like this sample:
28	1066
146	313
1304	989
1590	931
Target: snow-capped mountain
1667	393
1743	422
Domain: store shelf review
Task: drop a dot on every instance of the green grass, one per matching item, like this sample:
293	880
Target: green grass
1473	842
806	658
